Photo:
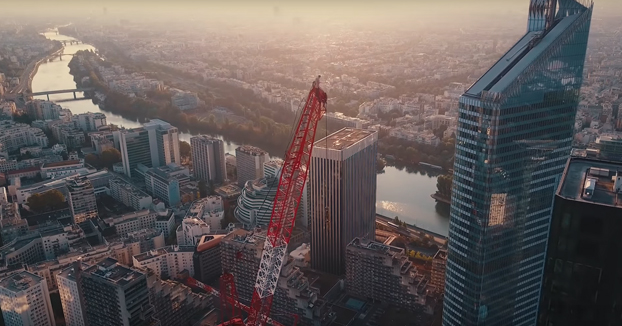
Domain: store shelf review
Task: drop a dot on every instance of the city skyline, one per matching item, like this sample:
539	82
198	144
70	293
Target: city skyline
141	148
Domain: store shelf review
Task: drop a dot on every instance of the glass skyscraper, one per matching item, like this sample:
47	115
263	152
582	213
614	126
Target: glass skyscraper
514	136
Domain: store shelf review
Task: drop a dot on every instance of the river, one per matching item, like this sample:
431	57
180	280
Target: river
400	193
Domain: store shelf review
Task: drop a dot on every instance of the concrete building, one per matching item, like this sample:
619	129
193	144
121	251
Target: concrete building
175	304
125	248
132	222
229	194
582	274
384	273
43	110
82	201
123	289
190	231
25	301
163	142
207	258
208	159
250	161
439	266
342	191
70	294
134	145
167	262
13	136
163	185
185	100
165	222
129	194
209	209
89	121
248	246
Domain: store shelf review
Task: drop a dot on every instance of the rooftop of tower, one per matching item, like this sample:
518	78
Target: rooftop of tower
343	138
523	54
592	181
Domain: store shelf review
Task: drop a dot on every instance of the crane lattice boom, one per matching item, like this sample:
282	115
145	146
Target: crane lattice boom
289	192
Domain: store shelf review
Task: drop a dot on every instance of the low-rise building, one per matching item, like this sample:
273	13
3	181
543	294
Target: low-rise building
190	230
167	262
132	222
129	194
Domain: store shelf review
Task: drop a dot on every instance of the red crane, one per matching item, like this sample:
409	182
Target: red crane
289	192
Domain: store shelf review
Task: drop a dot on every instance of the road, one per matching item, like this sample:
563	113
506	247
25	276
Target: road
25	79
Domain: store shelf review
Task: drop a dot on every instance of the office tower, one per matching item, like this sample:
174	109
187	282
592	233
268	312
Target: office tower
384	273
582	275
207	266
342	191
82	201
249	163
163	142
514	135
70	295
135	149
115	295
208	159
25	300
256	201
163	186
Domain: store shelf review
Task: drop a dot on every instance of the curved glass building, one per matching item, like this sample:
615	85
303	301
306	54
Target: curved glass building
514	137
255	203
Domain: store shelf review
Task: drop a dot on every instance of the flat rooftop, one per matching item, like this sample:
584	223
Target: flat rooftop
603	173
251	150
343	138
109	270
163	251
20	282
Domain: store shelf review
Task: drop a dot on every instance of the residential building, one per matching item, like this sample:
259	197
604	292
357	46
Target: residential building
43	110
439	266
25	301
89	121
132	222
82	201
208	159
163	142
129	194
125	248
514	136
175	304
209	209
115	295
384	273
165	222
190	231
342	191
13	136
250	161
185	100
70	294
248	246
167	262
134	145
582	276
207	266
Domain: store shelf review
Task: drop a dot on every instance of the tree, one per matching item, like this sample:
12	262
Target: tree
443	184
110	157
184	148
48	201
93	160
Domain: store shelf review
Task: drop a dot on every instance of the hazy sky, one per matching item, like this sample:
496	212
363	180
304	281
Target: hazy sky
378	12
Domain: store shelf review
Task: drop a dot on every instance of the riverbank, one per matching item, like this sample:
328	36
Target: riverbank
31	71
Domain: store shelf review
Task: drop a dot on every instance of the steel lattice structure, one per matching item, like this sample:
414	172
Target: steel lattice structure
289	192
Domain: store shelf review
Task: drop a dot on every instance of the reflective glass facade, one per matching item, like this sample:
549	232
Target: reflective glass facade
514	136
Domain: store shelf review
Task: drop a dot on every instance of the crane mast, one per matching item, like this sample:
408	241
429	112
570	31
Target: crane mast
289	192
